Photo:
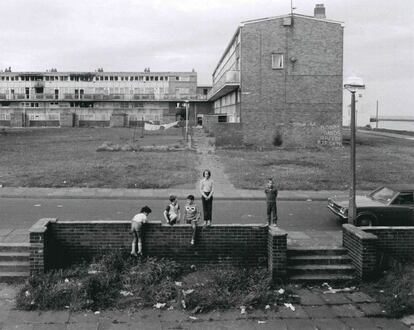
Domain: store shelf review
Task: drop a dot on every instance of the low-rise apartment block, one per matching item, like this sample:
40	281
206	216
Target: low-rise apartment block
93	98
281	79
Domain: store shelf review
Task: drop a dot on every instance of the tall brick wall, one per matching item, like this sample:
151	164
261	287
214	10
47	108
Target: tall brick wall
75	241
227	134
66	119
209	121
16	118
303	101
118	120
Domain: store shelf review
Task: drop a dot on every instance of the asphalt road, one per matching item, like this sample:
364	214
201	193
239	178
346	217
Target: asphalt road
21	213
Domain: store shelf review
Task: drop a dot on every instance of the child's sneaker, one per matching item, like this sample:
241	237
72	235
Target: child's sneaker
134	254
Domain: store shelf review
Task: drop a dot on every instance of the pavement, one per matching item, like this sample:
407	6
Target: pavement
318	309
108	193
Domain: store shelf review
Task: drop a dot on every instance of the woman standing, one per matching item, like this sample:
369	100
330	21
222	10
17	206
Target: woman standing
206	189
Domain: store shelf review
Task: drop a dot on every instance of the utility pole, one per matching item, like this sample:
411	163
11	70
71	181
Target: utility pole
352	199
376	121
186	120
143	127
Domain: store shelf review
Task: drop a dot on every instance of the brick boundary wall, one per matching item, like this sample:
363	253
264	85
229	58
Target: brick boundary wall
362	249
56	244
395	242
277	253
227	134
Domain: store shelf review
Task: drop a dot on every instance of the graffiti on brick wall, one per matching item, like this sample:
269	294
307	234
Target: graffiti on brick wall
330	136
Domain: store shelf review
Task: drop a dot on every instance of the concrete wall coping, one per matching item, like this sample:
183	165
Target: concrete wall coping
41	225
274	231
396	228
160	223
359	232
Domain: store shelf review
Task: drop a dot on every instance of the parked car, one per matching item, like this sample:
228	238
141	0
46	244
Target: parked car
391	205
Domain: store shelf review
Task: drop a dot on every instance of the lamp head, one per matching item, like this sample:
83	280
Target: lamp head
354	83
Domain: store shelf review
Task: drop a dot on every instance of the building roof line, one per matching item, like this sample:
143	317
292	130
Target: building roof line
289	15
268	19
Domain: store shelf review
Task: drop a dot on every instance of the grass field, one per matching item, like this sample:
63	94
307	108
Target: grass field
67	157
379	160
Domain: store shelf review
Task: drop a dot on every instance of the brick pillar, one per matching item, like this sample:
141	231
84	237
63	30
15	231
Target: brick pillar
277	252
16	118
117	120
66	119
362	249
38	245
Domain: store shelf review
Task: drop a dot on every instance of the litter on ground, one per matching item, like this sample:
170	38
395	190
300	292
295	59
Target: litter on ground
126	293
289	305
159	305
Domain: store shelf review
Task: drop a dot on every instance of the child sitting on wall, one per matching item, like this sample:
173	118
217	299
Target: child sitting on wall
191	215
136	229
172	213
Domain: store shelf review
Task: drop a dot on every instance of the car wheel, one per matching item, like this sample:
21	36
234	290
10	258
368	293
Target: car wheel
365	221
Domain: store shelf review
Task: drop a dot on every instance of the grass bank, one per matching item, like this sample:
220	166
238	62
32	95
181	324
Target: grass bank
67	157
379	161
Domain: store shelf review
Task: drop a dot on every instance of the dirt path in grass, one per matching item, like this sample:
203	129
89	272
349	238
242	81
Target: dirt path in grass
209	160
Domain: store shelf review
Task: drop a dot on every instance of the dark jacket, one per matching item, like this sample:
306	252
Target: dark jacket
271	194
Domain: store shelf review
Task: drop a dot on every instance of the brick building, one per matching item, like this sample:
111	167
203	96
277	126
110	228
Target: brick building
281	78
97	98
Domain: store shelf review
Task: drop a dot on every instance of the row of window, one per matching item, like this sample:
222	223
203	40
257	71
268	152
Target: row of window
97	78
102	90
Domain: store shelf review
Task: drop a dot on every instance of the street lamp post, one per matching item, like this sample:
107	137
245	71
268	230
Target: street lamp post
352	85
186	120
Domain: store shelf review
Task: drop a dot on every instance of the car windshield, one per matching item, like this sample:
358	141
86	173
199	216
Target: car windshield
383	195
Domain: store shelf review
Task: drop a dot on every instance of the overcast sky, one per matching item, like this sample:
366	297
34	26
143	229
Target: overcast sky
179	35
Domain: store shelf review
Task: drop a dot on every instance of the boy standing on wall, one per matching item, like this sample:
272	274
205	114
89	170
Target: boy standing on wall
136	229
271	195
172	213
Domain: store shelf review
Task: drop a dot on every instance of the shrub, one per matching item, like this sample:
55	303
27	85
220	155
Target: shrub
117	280
233	287
395	289
277	139
54	290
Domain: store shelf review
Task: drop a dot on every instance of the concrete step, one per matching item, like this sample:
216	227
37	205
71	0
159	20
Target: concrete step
318	260
14	266
16	247
321	269
295	251
13	277
14	256
330	278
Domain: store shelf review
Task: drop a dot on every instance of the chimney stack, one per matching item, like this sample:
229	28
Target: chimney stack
319	11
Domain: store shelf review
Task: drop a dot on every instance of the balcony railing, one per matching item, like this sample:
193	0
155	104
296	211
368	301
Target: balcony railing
105	97
227	82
